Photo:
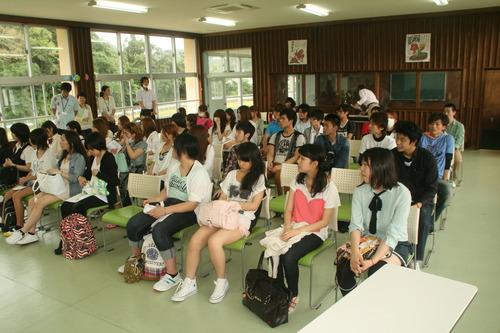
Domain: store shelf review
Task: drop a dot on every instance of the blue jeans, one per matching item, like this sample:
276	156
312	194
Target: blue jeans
424	226
445	194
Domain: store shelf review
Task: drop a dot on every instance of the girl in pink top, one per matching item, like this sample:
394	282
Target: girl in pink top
204	117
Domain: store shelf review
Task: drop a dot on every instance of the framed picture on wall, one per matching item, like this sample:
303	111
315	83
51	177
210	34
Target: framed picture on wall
418	47
297	52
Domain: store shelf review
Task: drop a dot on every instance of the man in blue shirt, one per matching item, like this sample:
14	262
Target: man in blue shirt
272	128
442	146
336	146
64	107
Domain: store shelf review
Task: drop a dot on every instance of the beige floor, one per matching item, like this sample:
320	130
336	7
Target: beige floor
41	292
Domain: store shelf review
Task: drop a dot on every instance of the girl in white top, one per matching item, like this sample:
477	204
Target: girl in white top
42	159
163	156
84	115
54	137
377	136
206	153
243	114
245	185
152	138
106	104
312	200
220	129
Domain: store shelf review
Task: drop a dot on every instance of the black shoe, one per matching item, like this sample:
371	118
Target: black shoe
58	251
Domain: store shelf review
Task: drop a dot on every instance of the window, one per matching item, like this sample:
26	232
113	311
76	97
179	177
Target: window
34	60
170	64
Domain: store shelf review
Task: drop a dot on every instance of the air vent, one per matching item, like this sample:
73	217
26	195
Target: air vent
230	8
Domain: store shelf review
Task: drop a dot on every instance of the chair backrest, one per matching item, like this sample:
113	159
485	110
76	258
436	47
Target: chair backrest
288	173
265	212
346	180
143	186
216	171
217	150
354	146
413	224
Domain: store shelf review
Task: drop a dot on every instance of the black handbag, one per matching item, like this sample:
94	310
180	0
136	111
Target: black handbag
8	175
266	297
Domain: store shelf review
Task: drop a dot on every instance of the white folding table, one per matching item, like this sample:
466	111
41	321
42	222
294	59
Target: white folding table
397	299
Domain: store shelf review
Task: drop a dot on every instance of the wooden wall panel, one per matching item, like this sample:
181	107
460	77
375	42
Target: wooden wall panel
464	41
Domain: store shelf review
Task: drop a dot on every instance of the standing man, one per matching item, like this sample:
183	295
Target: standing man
303	121
64	107
366	98
442	146
417	170
457	130
147	99
336	146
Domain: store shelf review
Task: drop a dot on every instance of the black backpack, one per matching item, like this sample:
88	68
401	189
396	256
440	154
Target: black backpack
10	216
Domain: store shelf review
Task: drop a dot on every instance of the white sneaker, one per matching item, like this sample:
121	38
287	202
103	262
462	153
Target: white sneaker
221	287
28	239
293	304
15	237
185	289
167	282
121	269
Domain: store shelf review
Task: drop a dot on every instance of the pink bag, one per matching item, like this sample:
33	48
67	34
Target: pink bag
220	214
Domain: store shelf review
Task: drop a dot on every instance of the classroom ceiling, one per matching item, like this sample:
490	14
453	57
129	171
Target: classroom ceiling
184	15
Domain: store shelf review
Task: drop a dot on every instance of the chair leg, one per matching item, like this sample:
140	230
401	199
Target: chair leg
317	304
444	218
429	255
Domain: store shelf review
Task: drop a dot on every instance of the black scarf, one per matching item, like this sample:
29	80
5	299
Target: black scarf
375	206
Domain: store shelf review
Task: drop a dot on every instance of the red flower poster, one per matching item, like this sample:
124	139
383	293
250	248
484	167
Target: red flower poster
297	52
418	47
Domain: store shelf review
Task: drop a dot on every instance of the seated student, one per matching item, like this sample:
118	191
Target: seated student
289	103
135	149
244	114
377	136
283	146
187	186
315	119
121	122
245	185
42	159
230	117
303	115
392	119
102	165
182	111
109	135
100	126
457	130
259	123
336	146
204	117
22	152
347	128
417	170
380	208
305	224
163	156
191	120
75	127
5	151
54	137
442	146
221	129
180	121
71	165
366	126
206	152
272	128
244	131
152	138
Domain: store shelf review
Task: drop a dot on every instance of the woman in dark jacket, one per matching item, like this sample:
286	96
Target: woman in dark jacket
101	165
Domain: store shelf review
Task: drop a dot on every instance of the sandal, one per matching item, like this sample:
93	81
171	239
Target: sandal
110	225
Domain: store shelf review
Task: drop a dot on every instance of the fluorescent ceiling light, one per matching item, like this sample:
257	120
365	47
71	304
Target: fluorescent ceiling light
213	20
315	10
441	2
118	6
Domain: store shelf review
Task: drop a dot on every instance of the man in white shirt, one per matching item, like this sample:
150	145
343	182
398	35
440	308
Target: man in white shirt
64	107
366	98
147	99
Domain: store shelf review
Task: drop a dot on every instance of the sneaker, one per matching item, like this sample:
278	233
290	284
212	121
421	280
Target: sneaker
121	269
221	287
293	304
453	184
185	289
28	239
15	237
166	282
11	231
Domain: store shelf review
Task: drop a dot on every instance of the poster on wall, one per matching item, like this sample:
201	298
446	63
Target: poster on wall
297	52
418	47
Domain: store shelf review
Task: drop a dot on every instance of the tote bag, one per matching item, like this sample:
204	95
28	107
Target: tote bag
49	183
